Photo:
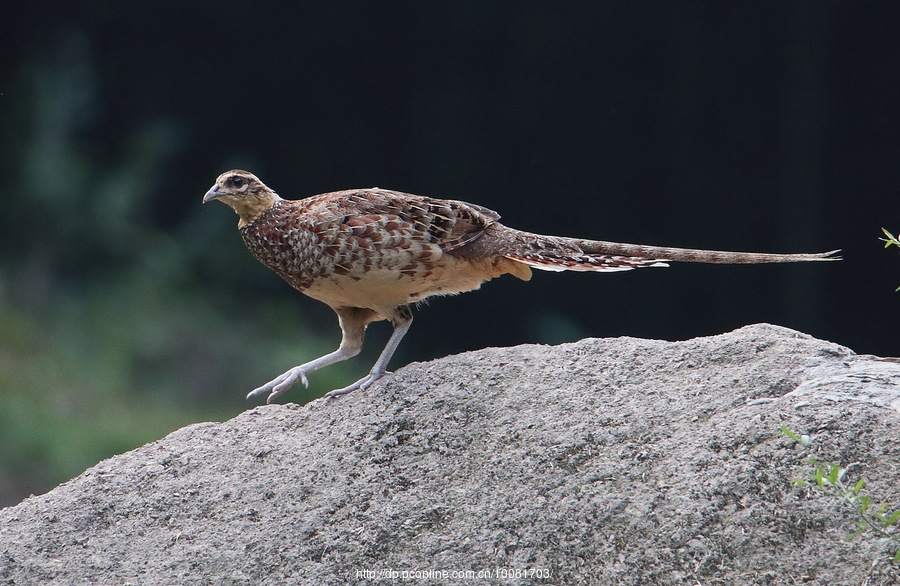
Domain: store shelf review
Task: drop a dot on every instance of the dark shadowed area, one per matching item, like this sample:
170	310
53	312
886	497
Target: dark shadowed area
127	310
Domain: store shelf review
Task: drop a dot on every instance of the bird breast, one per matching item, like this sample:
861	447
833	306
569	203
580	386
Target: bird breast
371	260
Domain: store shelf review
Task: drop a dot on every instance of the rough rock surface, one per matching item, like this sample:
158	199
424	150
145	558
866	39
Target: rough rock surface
610	461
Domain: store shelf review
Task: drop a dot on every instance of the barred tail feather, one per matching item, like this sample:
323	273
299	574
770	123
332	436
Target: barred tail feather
596	263
593	247
555	253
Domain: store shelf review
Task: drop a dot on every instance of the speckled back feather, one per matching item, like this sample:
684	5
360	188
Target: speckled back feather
359	231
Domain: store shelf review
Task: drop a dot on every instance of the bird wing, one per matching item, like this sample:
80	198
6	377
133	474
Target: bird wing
447	224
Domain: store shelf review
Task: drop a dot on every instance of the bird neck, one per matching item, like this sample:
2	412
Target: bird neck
249	209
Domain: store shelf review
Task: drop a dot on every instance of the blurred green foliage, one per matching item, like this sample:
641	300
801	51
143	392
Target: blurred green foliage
127	310
118	324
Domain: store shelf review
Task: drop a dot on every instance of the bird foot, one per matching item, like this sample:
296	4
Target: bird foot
361	385
277	386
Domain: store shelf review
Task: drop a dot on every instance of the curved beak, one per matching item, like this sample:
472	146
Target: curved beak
212	194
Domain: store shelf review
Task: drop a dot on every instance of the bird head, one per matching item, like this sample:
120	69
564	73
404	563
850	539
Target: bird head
244	192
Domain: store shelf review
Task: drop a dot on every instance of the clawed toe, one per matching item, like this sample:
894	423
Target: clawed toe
360	385
277	387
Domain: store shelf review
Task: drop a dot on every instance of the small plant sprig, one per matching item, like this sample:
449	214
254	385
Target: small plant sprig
890	240
828	477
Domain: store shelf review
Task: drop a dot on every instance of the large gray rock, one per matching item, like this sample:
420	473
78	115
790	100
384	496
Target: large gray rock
612	461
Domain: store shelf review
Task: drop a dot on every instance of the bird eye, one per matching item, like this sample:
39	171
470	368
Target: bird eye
236	181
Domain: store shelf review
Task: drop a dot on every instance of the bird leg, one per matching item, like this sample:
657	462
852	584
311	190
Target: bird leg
353	322
401	325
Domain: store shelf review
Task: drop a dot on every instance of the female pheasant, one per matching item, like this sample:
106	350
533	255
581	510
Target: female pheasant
371	253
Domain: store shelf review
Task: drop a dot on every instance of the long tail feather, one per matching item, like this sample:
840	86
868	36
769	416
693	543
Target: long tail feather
698	255
554	253
598	263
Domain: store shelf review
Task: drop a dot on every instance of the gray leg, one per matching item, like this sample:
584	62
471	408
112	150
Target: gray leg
353	322
401	326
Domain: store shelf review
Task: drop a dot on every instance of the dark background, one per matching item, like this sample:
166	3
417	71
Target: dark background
127	310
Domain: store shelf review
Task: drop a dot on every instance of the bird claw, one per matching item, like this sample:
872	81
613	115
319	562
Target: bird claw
360	385
277	386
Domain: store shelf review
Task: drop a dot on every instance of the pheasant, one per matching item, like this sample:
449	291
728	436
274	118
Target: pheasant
369	254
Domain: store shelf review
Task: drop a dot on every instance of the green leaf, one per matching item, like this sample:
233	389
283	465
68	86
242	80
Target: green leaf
834	473
859	485
862	503
790	433
803	440
857	533
892	519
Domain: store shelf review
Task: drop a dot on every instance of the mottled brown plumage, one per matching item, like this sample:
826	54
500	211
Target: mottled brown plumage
370	253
